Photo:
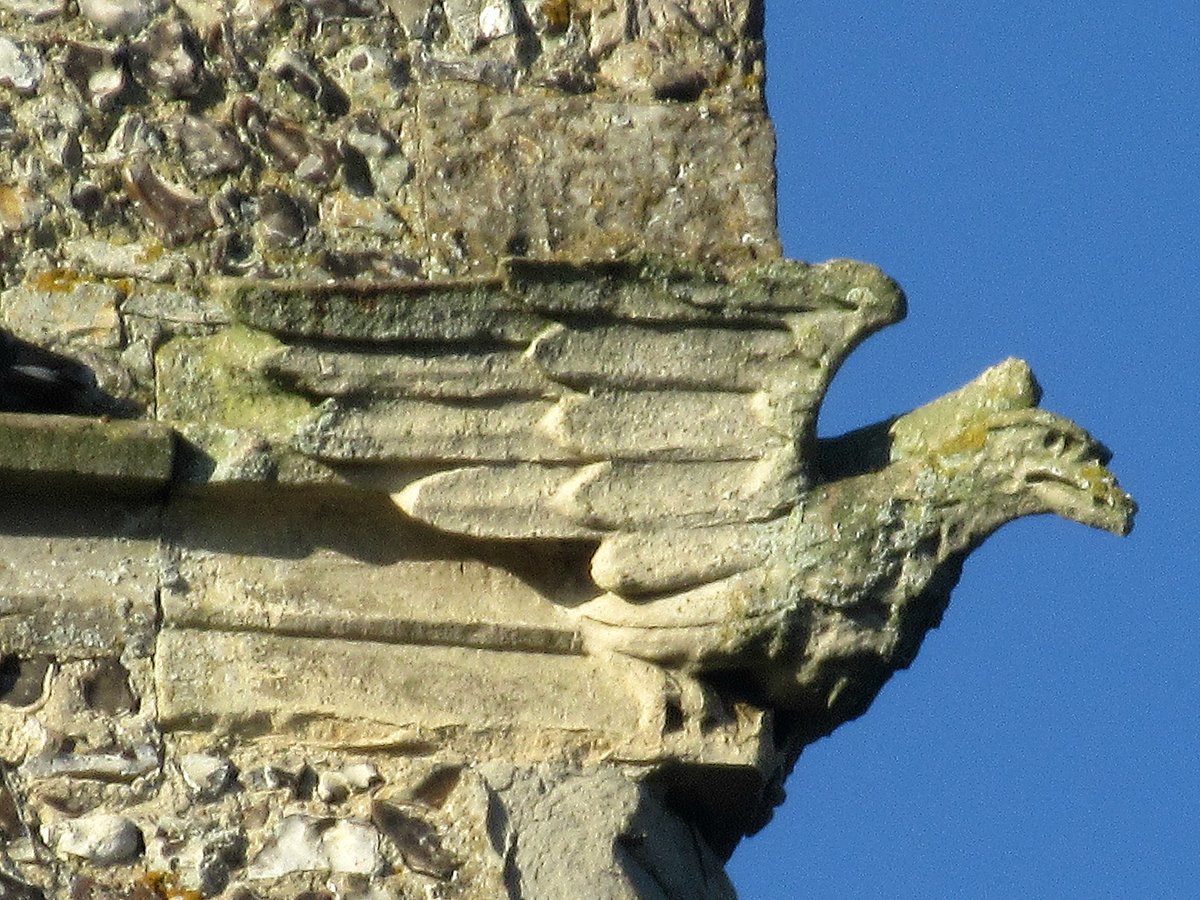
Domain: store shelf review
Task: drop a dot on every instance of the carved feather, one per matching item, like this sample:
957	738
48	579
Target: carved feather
659	562
633	357
682	629
665	414
497	502
590	501
429	374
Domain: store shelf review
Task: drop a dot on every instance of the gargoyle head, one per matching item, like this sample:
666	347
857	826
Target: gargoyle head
883	539
988	449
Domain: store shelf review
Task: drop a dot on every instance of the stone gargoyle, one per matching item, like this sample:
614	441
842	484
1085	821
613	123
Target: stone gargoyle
570	512
652	427
666	423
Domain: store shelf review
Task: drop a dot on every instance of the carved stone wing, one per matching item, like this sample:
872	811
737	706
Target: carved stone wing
662	416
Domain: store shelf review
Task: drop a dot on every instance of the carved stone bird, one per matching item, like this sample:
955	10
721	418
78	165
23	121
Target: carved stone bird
812	608
668	421
820	606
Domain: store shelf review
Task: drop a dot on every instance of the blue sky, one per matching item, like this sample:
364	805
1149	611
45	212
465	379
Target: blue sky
1030	173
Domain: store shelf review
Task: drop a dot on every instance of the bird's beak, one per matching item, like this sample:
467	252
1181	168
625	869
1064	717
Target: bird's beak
1068	473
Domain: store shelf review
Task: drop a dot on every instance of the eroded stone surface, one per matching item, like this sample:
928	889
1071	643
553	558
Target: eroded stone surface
585	197
548	814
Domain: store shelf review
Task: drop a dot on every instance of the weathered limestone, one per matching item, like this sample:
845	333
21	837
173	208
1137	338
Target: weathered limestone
407	437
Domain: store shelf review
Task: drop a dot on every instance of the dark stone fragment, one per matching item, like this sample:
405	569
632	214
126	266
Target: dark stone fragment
357	171
21	679
97	71
232	207
682	86
281	220
87	199
287	144
306	783
168	59
310	82
436	788
179	217
417	840
229	47
233	254
208	149
107	689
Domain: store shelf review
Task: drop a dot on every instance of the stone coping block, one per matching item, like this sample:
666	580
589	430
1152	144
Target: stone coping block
124	456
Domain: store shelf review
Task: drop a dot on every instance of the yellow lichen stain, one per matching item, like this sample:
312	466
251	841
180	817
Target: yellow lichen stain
968	440
12	207
165	885
56	281
229	388
1099	482
557	13
150	253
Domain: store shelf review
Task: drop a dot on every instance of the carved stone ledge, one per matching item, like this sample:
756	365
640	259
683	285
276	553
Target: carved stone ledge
118	456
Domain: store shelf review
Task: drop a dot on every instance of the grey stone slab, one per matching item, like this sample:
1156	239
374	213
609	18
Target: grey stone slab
662	425
567	177
626	356
392	311
424	431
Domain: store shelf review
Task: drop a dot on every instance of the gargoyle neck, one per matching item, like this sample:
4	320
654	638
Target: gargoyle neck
964	510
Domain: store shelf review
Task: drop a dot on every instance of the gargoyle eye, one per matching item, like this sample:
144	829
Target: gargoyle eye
1057	442
22	679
